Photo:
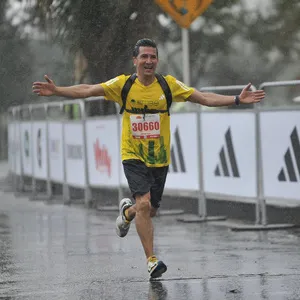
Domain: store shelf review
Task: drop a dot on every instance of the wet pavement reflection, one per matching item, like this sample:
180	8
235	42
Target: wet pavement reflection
53	251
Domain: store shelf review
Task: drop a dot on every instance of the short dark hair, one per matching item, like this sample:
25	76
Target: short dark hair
144	43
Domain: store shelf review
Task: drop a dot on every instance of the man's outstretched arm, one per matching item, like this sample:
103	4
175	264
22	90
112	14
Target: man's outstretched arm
48	88
213	100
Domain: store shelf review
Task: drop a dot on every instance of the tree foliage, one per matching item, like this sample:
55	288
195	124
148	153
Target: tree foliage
210	35
15	59
105	31
277	31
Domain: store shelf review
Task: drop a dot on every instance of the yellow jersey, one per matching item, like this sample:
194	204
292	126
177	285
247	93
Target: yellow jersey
146	137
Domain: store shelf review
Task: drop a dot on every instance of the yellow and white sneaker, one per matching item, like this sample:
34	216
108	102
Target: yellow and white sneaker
122	225
156	267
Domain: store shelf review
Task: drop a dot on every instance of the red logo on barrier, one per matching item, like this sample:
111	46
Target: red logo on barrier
102	158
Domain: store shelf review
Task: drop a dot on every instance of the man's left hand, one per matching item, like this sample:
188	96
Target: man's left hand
247	96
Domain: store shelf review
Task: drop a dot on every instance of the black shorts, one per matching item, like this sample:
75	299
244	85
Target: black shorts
142	179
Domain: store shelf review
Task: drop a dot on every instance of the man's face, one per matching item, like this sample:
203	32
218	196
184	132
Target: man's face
146	61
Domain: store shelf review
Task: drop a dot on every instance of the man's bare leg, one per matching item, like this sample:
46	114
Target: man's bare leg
143	211
131	212
143	222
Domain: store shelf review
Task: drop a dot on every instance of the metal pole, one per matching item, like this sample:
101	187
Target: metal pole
202	207
186	57
14	143
260	207
19	128
87	190
49	185
279	83
120	189
220	88
31	142
66	189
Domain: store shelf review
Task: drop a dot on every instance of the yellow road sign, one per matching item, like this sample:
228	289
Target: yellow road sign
184	12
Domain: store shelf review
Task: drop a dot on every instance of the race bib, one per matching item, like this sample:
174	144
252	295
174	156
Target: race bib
145	126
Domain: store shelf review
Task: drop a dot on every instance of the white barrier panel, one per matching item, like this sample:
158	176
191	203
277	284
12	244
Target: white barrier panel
39	151
102	152
229	153
280	135
184	167
55	137
74	149
11	147
26	148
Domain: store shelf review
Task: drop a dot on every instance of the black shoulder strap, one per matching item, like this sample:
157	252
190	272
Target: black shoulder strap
161	80
125	90
165	87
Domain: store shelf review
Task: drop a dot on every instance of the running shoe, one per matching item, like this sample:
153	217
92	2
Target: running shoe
156	267
122	224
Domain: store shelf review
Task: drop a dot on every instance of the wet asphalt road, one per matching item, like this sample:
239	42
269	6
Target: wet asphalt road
52	251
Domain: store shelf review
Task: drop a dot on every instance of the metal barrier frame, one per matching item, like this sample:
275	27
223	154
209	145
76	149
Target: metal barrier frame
22	183
32	107
202	197
13	120
119	120
260	201
261	196
66	186
49	181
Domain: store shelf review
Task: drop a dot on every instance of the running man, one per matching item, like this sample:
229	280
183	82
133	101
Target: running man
145	134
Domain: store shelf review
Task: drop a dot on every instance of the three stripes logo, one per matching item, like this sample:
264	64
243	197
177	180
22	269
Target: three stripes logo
177	158
291	160
227	166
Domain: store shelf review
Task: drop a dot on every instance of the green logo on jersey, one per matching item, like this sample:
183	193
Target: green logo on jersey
150	157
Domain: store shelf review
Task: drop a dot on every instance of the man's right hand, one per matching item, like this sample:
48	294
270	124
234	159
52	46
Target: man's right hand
44	88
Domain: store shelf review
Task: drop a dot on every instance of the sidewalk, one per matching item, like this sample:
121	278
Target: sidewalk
70	252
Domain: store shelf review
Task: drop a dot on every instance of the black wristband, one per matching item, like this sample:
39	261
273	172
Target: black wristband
237	100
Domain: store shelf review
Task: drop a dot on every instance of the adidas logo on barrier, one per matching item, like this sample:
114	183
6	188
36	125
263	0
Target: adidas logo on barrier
291	160
177	159
228	165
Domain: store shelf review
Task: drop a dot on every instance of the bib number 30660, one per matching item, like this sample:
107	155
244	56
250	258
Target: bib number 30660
145	126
